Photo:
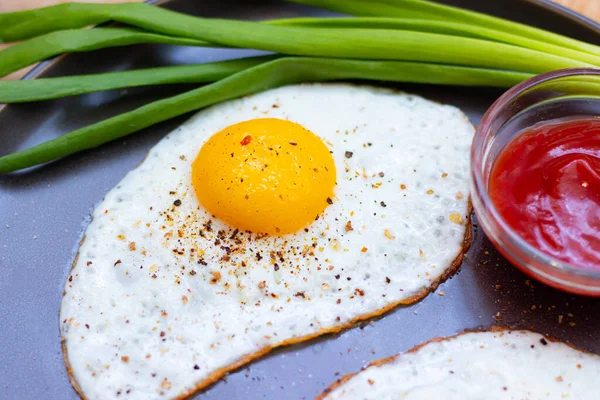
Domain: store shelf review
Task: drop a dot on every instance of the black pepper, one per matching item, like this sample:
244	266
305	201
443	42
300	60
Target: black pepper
348	154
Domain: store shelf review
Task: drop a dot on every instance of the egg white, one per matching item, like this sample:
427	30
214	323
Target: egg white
497	365
164	299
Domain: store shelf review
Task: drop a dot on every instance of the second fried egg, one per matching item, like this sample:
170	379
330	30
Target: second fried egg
170	289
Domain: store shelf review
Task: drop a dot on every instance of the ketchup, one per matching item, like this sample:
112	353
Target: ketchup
546	185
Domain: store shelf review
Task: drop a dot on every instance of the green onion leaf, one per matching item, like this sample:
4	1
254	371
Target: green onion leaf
42	47
432	10
441	27
52	88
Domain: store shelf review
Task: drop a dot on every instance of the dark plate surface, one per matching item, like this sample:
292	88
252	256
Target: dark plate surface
43	213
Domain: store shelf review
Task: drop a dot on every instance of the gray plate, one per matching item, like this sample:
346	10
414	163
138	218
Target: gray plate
44	211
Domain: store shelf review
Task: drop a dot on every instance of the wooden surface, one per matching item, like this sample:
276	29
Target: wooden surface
589	8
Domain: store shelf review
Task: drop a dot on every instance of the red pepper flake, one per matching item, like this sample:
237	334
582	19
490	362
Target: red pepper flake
216	277
71	278
364	250
293	143
87	326
89	263
246	140
349	227
132	246
371	382
162	334
300	294
125	359
387	280
359	292
117	262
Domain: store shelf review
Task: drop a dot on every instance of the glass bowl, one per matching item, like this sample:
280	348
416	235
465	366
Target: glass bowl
559	94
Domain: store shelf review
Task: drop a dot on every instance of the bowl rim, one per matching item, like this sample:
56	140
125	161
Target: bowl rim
478	181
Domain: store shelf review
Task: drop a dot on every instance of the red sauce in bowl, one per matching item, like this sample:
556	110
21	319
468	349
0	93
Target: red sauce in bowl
546	186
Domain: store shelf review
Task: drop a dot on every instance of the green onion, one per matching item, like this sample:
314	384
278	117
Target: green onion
42	47
52	88
26	24
429	10
255	79
356	43
373	44
441	27
21	25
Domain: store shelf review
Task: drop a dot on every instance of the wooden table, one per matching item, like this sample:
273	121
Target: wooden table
589	8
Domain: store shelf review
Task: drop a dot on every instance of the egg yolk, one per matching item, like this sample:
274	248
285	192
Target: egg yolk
265	176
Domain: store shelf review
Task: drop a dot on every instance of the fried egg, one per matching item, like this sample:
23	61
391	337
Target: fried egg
264	221
500	364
